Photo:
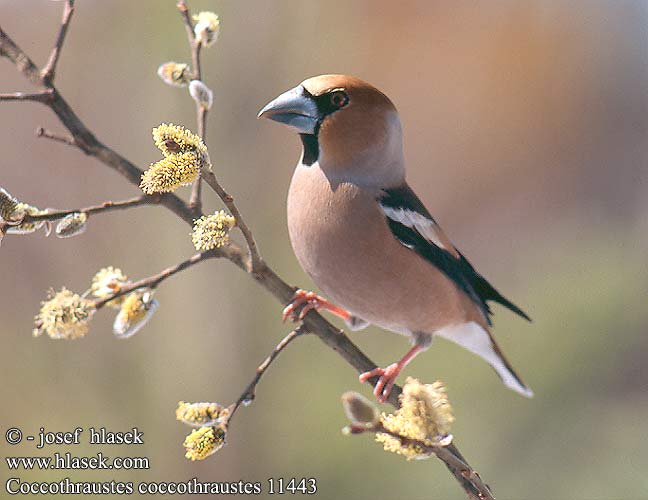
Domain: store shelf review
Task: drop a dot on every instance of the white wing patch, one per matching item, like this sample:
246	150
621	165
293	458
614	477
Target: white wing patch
414	220
475	339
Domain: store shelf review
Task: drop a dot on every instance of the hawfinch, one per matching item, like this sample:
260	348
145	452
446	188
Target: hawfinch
366	239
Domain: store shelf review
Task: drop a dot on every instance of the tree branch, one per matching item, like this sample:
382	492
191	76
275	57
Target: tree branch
473	483
44	96
156	279
83	137
186	19
23	63
42	132
251	264
195	201
47	74
249	392
257	266
208	175
194	43
106	206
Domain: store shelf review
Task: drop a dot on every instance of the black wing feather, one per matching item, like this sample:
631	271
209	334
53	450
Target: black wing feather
458	270
487	291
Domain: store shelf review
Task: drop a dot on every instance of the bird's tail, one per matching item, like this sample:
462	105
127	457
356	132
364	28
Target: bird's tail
478	340
488	292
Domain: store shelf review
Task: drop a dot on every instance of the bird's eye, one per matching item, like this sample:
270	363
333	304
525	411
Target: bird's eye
339	99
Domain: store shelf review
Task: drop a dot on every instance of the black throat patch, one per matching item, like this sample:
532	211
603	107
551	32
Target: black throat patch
311	148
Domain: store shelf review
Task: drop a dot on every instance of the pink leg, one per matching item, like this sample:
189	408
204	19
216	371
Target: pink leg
388	375
303	301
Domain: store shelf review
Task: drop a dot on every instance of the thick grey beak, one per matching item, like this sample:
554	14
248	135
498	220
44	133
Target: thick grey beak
295	108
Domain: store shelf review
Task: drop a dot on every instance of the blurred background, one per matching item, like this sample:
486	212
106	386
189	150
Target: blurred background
526	135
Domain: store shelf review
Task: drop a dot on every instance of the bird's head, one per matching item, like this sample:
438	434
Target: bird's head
350	128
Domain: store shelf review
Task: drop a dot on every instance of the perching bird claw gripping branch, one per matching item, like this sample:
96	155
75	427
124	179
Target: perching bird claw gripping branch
249	260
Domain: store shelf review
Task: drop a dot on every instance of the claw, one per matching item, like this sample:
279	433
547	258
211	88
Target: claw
387	376
304	301
387	379
307	307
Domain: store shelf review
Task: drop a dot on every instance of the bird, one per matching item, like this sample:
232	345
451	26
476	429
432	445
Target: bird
365	238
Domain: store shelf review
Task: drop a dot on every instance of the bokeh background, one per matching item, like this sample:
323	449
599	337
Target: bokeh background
526	135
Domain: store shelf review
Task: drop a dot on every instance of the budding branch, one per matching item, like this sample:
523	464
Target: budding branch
155	280
106	206
249	392
195	201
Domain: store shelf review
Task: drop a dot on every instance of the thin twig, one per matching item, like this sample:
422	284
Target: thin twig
195	201
194	43
186	19
106	206
248	393
197	62
44	97
42	132
257	266
156	279
47	74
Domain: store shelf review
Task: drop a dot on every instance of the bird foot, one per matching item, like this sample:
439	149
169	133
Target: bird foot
303	301
387	379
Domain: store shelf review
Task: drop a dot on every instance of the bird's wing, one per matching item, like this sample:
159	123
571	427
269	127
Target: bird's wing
415	228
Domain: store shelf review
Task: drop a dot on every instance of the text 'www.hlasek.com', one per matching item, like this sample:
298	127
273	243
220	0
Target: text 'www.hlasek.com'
60	460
